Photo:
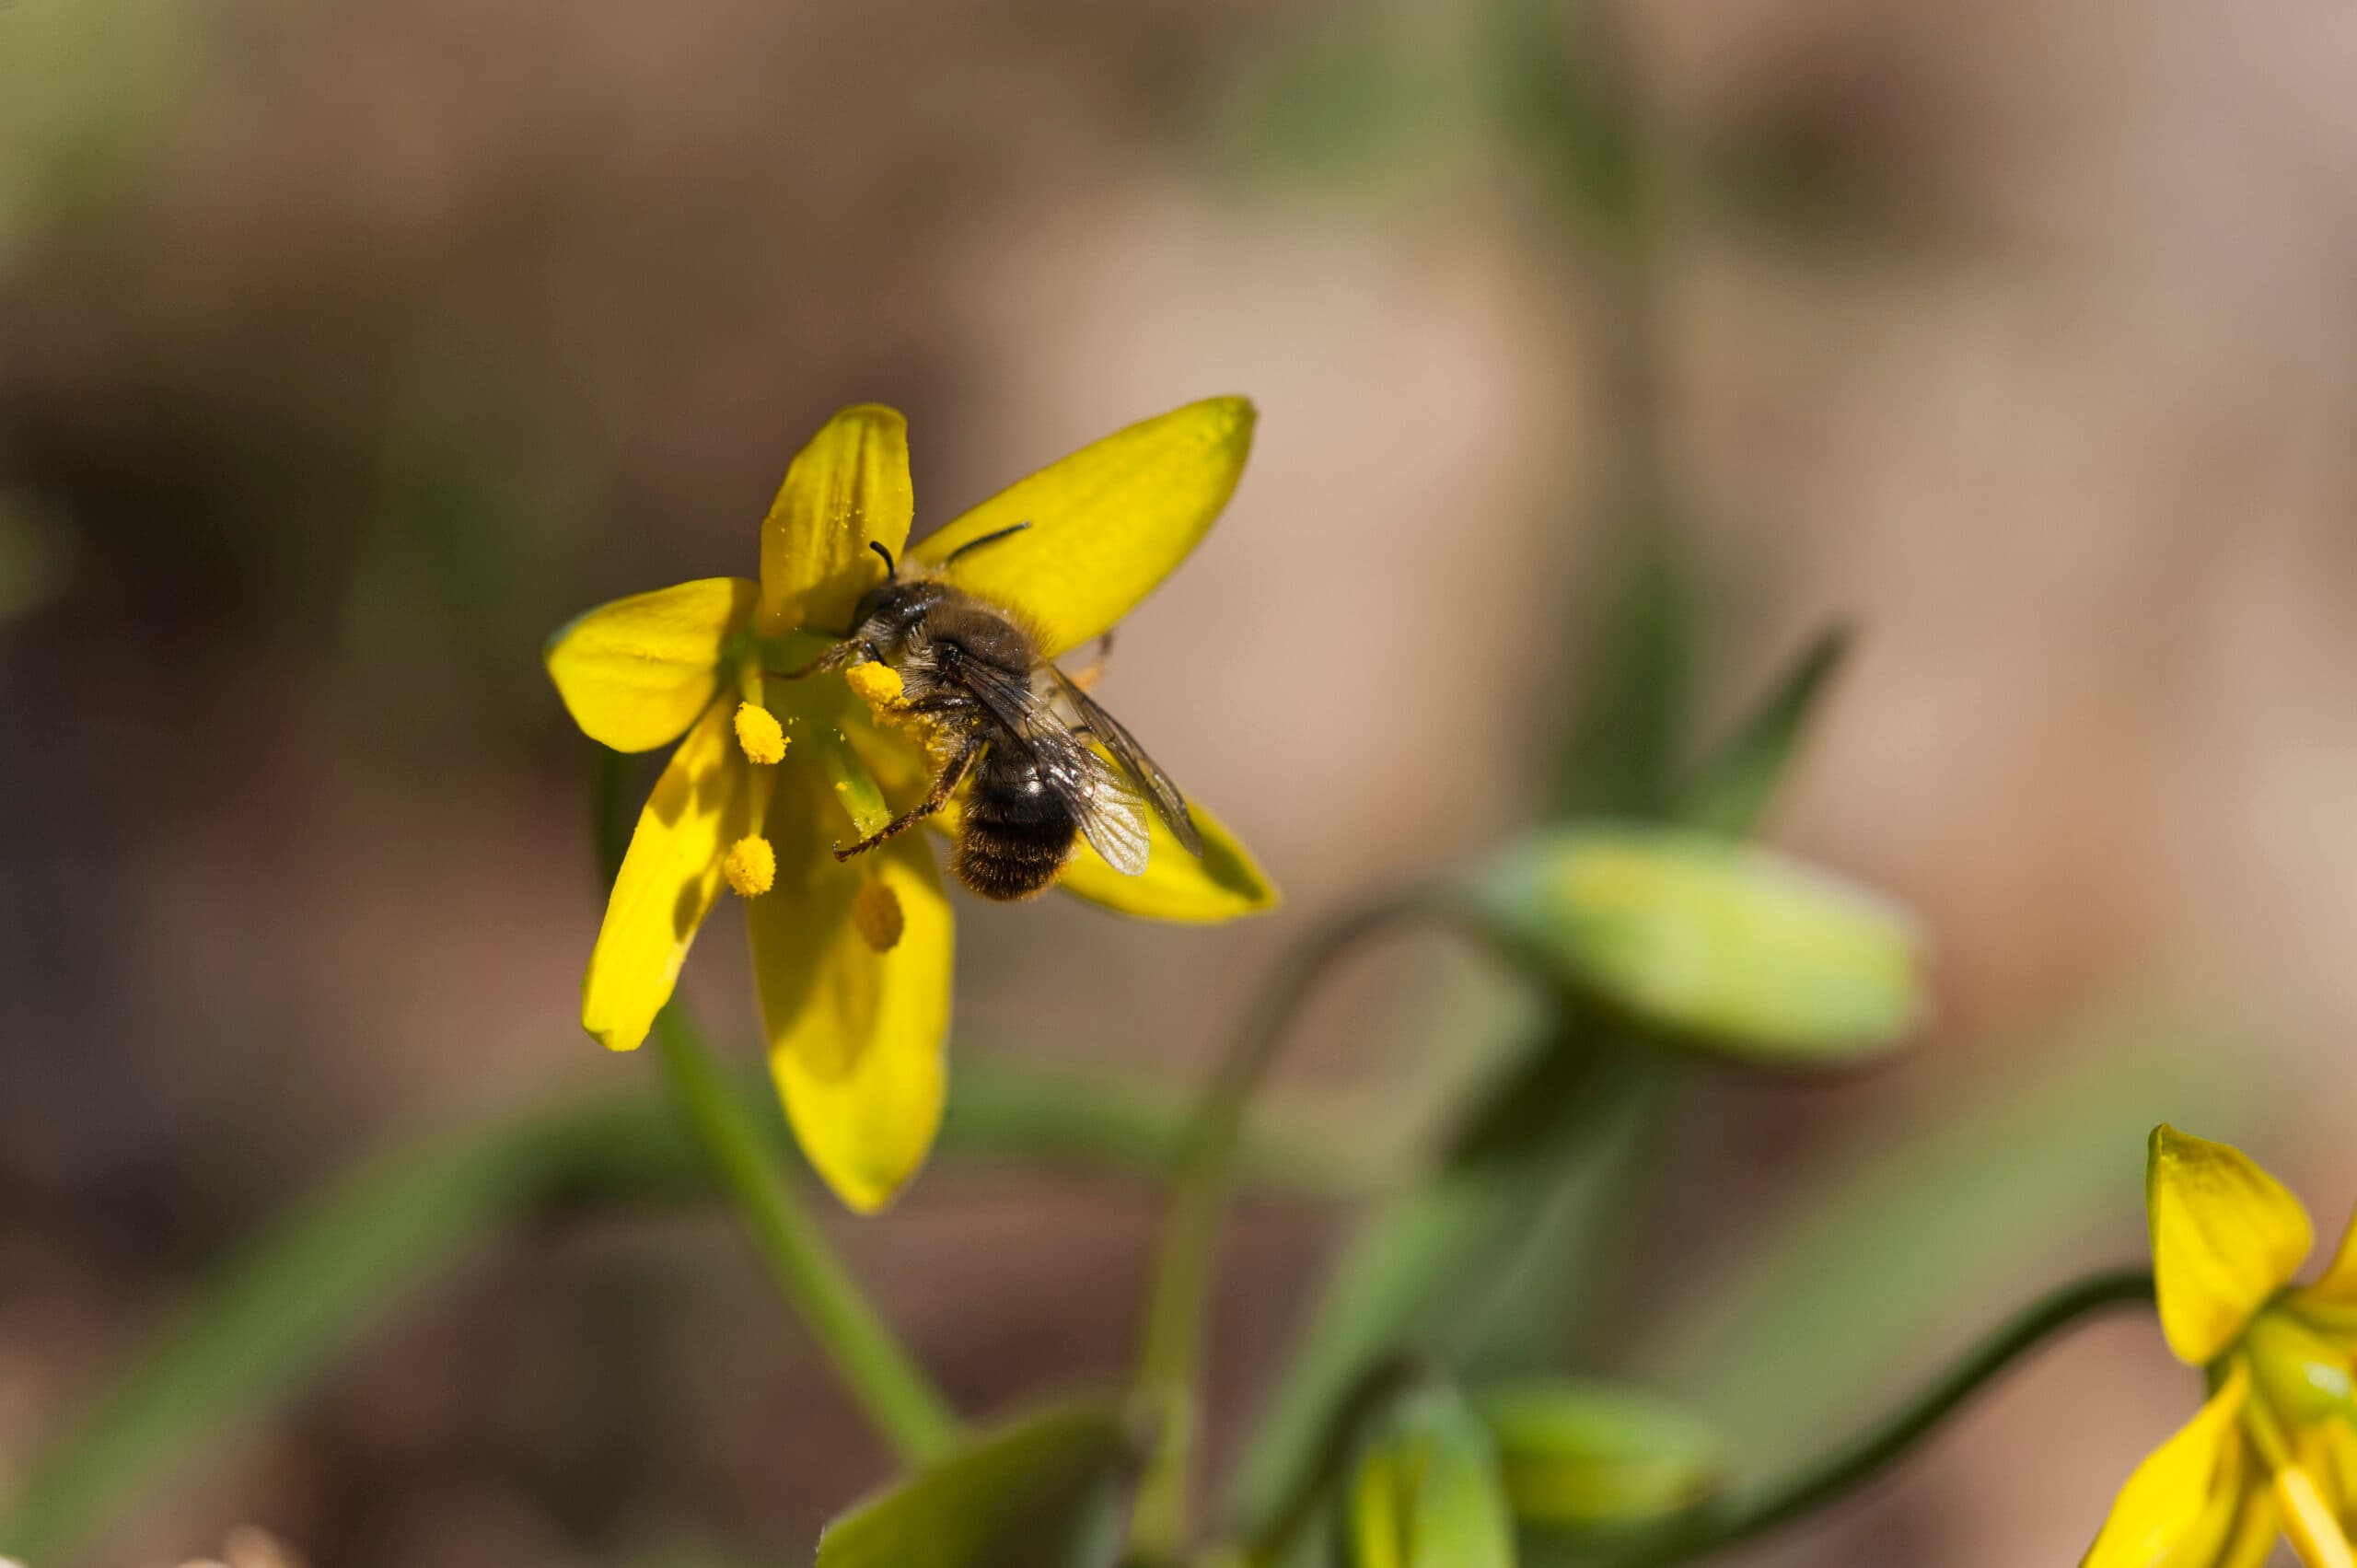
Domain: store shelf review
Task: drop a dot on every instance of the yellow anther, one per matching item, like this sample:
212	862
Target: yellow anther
751	866
875	914
758	732
879	685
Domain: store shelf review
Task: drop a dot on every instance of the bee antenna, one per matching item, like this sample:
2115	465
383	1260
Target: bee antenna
891	567
990	537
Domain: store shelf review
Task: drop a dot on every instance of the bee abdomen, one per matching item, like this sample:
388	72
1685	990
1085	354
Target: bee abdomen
1010	860
1018	833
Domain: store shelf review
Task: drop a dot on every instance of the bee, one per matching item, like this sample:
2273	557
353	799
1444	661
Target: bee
1012	728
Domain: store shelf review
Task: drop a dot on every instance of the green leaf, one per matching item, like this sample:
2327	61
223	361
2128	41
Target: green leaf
1712	944
1048	1491
1732	787
1585	1455
1640	644
1426	1492
1583	1139
1567	111
1429	1273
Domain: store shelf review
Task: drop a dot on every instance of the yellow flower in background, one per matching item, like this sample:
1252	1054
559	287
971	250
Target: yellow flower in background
2274	1450
853	961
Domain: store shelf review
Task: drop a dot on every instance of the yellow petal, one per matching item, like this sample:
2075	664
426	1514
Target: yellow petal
2226	1236
847	489
2337	1287
1108	523
2180	1508
636	673
2252	1542
1175	886
707	799
856	1036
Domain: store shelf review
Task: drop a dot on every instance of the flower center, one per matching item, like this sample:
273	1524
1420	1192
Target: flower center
2304	1374
2300	1378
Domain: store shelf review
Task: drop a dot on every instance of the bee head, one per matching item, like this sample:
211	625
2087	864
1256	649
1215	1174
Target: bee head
894	600
874	601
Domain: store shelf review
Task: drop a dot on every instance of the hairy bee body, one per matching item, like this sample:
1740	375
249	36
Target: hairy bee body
1014	732
1021	822
1017	832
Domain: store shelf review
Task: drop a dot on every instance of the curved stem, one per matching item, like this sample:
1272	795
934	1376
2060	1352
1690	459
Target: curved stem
1170	1355
1852	1464
887	1383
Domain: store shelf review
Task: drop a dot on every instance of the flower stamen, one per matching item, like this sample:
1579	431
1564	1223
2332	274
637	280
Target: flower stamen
878	685
2309	1521
760	734
876	915
751	866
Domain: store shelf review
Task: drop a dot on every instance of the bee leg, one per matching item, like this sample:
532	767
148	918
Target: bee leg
953	774
1087	678
935	704
845	652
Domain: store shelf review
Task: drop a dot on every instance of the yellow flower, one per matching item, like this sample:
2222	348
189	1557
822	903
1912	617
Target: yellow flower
852	959
2274	1450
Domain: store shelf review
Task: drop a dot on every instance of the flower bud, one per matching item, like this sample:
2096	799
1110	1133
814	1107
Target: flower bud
1584	1455
1711	943
1425	1491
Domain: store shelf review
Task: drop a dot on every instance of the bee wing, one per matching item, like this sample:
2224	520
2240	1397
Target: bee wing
1112	814
1012	700
1113	818
1169	803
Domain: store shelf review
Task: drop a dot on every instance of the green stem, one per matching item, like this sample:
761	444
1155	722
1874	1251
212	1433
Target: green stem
1171	1354
1866	1456
889	1386
877	1369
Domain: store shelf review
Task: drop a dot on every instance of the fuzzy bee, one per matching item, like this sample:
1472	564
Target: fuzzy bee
1013	729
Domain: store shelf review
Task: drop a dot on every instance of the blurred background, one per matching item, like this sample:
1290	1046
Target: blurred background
1603	355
